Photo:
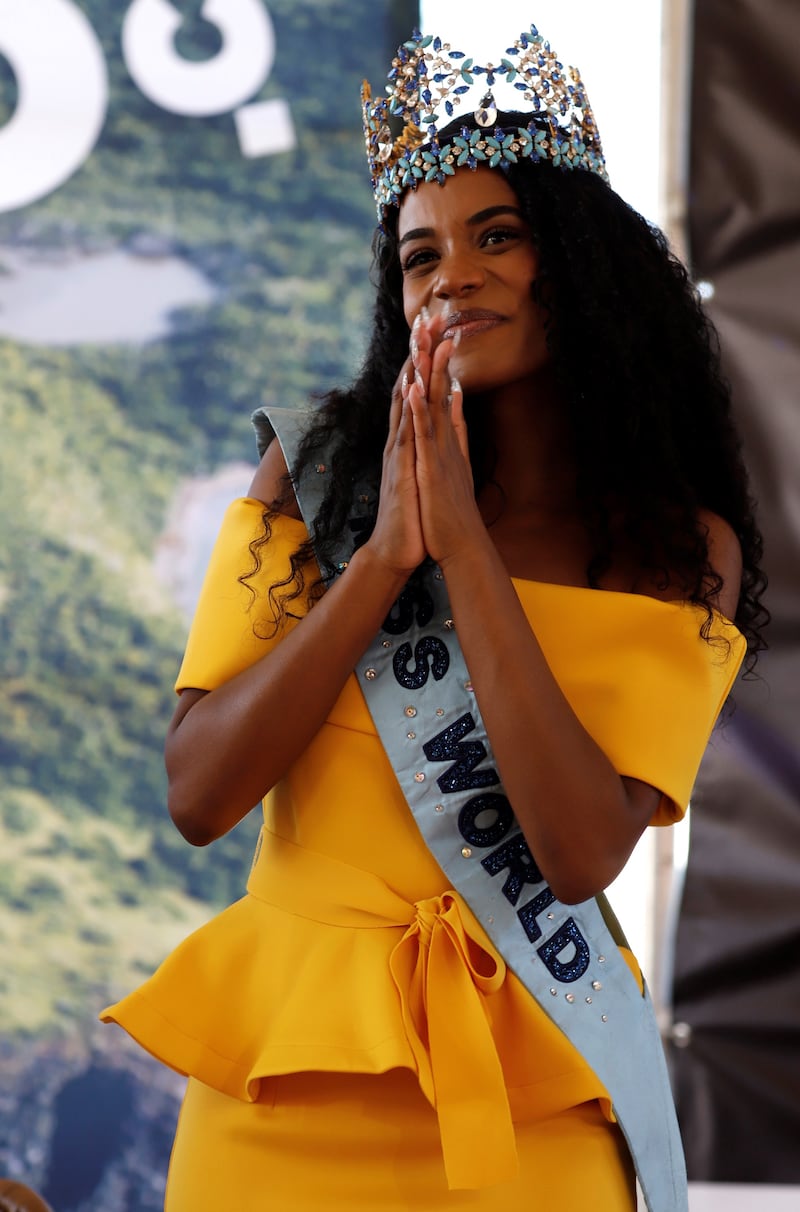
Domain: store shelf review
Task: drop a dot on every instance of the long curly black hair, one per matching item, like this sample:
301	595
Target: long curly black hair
637	360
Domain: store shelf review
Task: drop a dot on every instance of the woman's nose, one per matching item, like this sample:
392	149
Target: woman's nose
458	274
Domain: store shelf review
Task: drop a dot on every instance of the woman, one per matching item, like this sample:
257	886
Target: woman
529	529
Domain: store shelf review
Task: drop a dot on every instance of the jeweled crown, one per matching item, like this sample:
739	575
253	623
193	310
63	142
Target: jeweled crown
429	82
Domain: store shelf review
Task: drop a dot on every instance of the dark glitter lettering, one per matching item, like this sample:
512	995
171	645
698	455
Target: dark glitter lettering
522	869
485	835
448	745
401	617
426	648
529	913
574	968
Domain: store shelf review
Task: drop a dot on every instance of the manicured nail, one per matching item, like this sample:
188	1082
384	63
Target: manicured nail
404	387
417	321
455	386
456	338
426	315
419	381
414	349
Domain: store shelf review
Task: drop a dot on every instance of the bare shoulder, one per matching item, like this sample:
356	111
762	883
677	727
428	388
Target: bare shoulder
271	482
725	557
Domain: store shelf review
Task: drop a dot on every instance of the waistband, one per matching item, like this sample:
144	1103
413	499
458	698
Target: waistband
442	966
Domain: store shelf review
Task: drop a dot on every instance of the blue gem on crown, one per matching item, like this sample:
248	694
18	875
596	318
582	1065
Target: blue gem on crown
429	81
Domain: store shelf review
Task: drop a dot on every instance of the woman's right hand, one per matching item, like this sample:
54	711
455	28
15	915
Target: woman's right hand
397	540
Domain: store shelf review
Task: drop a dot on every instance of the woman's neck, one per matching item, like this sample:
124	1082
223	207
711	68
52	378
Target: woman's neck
529	430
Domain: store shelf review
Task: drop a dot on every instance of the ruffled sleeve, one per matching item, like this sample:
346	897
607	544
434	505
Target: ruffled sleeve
234	624
646	685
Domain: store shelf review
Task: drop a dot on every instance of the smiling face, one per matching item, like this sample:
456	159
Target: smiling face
467	253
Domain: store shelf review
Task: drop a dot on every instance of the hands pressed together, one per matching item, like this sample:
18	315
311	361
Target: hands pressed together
427	501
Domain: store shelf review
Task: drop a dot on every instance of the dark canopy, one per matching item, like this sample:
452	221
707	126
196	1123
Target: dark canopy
737	962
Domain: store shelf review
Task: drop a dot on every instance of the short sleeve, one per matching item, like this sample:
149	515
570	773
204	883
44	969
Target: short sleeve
683	684
682	681
234	625
640	676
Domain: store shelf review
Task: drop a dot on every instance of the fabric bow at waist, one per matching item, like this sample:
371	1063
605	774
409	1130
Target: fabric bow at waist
442	965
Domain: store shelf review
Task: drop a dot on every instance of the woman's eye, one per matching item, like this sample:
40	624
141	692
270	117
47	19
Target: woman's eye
416	259
499	235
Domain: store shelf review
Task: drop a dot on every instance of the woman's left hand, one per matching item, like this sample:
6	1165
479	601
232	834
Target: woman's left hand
448	511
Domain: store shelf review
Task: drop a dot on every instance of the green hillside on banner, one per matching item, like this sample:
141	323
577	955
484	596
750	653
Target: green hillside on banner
100	435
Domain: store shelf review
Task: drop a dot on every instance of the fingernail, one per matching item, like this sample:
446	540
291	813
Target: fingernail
414	350
404	387
455	386
425	314
417	320
456	338
419	382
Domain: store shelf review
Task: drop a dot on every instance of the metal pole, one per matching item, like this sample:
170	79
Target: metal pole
677	18
677	24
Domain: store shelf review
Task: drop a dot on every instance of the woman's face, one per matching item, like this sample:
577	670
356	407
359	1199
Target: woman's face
467	253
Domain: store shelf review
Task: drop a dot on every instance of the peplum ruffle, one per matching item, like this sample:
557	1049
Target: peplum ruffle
322	966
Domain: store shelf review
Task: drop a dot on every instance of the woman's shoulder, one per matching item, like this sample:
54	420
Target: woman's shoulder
724	560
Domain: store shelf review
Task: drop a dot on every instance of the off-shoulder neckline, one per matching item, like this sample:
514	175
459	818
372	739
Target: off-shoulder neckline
528	582
628	595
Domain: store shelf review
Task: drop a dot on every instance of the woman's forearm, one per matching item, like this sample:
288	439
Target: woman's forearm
233	744
580	818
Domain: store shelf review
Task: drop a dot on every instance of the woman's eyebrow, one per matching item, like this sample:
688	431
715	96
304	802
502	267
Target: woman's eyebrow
416	233
491	212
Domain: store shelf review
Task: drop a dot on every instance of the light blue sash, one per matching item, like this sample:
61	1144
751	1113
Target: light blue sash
419	694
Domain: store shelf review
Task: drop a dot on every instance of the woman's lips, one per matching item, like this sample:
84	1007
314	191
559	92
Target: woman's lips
468	323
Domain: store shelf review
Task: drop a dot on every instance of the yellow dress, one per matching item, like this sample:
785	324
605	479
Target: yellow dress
352	1037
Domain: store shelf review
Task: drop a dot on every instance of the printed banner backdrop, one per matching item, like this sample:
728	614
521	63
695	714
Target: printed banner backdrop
737	962
185	218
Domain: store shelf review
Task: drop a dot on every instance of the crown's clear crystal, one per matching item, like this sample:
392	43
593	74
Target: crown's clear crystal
486	113
385	144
